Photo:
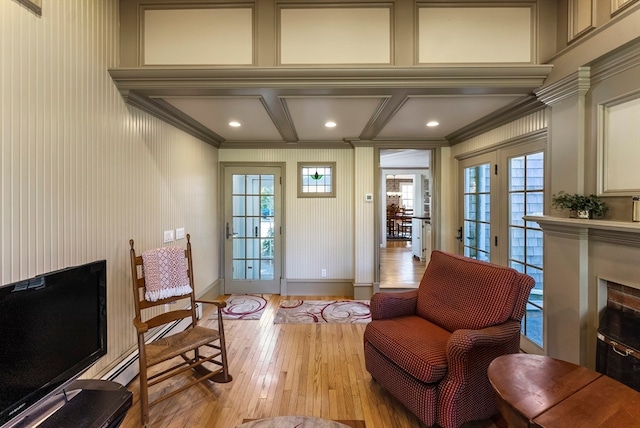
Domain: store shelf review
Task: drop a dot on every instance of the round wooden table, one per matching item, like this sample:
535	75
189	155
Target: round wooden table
539	391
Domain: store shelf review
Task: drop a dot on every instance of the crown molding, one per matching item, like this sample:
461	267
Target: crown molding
167	113
509	113
575	84
622	59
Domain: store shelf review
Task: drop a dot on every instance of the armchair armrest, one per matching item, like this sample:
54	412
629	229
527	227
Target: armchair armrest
390	305
464	341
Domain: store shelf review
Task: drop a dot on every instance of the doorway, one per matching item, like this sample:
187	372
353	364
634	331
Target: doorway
405	217
252	220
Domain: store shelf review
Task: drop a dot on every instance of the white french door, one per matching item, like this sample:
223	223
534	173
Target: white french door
525	185
252	230
478	217
497	190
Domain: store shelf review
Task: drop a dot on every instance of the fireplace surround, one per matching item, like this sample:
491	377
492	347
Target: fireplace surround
580	258
618	345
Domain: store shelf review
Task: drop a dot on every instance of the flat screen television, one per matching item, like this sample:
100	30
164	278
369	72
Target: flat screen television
53	327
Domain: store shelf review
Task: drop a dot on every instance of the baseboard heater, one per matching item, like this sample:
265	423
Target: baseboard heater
127	370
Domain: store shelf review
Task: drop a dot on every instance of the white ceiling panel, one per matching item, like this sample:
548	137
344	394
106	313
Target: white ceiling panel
216	112
453	113
351	115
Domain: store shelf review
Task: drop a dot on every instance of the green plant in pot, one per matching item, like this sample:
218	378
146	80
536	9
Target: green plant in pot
580	206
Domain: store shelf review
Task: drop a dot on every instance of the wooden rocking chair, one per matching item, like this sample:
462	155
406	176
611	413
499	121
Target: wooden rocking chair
187	344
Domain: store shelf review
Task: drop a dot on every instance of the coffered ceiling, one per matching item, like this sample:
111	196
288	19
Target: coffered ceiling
290	106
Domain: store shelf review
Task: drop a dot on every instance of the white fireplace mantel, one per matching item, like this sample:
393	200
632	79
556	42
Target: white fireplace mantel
620	232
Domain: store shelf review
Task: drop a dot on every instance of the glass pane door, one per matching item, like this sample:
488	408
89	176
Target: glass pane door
252	232
476	224
526	197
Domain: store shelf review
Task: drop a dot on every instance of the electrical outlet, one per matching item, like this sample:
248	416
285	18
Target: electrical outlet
168	236
323	273
180	233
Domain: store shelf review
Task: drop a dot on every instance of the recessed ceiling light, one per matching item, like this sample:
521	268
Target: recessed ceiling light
234	123
432	123
330	124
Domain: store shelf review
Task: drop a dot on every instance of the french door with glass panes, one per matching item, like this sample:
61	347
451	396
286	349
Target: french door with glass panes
479	214
524	183
252	262
498	189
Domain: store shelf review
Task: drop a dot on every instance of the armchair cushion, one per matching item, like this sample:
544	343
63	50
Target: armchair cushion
458	292
417	346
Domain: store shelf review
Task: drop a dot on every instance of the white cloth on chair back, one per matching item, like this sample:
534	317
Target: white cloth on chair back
165	273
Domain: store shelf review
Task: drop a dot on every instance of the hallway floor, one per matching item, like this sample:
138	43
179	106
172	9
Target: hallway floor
398	267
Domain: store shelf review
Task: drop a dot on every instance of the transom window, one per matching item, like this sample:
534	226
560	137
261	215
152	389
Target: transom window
316	180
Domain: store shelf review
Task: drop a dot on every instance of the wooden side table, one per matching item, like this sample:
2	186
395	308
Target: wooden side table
604	402
539	391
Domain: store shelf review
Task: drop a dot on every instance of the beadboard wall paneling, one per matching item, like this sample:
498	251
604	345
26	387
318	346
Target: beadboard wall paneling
318	232
363	222
81	172
531	123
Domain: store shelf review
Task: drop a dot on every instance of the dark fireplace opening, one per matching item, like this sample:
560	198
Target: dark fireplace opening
618	348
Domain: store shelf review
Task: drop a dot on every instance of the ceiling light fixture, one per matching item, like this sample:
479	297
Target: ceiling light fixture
432	123
330	124
234	123
394	185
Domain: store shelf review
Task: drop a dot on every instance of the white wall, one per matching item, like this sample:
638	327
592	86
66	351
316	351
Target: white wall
82	173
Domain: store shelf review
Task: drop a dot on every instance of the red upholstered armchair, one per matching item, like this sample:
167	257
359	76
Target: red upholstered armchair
430	348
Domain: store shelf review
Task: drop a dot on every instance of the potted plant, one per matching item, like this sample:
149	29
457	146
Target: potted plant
580	206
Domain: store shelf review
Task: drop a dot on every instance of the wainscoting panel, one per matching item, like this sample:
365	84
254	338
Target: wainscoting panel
82	173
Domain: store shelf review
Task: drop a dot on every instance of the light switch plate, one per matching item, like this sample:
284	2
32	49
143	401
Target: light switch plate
180	233
168	236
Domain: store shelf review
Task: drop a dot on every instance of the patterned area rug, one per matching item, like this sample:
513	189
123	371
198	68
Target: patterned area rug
243	307
323	312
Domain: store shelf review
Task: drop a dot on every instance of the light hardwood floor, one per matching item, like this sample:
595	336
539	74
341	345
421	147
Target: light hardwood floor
398	267
285	369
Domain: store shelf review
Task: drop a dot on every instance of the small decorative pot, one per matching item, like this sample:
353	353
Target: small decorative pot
584	214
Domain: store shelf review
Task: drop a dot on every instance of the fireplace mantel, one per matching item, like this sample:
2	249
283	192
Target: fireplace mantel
620	232
580	257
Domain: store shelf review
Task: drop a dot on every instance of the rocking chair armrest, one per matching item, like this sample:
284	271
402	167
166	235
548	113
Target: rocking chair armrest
219	303
140	326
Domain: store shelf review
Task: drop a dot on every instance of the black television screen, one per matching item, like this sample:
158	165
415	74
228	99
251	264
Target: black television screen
52	328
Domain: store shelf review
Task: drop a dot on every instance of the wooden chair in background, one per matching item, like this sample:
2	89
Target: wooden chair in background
195	346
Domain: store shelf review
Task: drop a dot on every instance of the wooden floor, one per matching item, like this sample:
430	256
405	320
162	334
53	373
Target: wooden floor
398	267
285	369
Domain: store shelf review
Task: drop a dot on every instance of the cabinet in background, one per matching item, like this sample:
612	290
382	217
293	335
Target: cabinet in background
421	239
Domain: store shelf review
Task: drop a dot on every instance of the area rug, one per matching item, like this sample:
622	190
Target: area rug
323	312
243	307
300	422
